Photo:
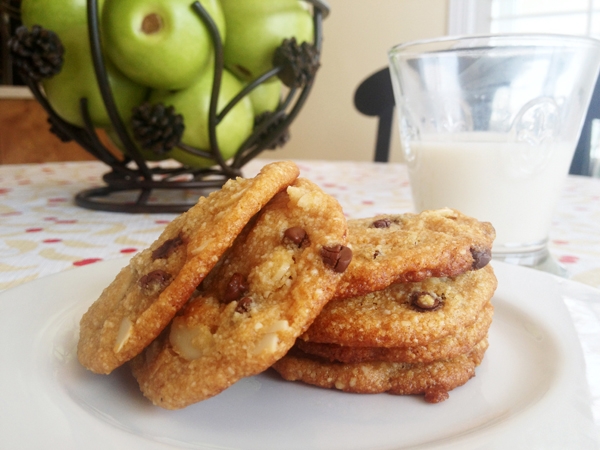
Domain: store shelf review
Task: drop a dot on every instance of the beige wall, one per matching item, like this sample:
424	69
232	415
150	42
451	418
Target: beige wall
357	35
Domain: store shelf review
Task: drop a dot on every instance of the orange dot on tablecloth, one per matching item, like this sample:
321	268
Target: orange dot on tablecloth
51	241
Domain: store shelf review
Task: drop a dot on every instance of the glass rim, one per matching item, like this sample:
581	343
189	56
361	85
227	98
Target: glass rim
445	43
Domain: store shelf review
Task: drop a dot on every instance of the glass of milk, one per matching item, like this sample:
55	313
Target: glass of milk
489	126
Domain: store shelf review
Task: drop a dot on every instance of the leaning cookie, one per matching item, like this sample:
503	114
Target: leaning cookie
412	247
463	341
434	379
145	295
405	314
263	294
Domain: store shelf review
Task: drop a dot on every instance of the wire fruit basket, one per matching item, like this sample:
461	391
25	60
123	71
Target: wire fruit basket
131	184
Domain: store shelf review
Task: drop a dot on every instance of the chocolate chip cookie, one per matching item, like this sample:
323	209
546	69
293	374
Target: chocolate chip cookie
463	341
405	314
434	379
264	292
412	247
146	294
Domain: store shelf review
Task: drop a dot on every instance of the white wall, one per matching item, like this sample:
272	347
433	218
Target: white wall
357	35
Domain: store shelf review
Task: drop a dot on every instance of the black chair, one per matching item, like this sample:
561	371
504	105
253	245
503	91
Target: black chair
375	97
581	164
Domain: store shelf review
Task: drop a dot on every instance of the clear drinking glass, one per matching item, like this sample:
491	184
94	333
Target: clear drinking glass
489	125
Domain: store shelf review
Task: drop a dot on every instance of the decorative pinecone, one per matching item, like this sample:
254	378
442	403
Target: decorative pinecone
300	62
58	132
282	139
38	53
156	127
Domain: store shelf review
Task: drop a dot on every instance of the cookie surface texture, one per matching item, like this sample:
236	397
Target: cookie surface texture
463	341
146	294
248	312
412	247
395	316
434	379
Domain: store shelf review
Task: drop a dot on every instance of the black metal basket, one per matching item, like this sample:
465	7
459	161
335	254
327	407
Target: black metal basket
132	174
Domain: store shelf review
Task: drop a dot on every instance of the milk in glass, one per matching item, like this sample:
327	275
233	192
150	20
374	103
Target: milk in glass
514	186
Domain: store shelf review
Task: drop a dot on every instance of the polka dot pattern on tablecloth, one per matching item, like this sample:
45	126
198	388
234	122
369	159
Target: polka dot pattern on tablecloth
42	231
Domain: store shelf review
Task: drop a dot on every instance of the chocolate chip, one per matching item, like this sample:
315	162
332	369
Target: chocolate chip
330	255
425	301
167	248
344	260
297	236
338	257
236	287
481	257
382	223
154	279
243	305
376	254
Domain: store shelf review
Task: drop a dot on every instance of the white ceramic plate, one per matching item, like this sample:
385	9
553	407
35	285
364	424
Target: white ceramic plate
530	391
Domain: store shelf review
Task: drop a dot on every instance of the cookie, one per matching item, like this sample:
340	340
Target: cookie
447	347
145	295
413	247
434	379
405	314
248	312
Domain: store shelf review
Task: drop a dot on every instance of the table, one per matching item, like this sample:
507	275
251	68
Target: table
43	232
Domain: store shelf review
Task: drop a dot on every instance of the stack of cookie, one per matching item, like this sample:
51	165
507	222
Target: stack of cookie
234	283
411	314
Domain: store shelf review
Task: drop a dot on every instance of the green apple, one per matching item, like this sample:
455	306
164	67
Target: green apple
163	44
255	28
194	102
56	15
266	96
77	78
